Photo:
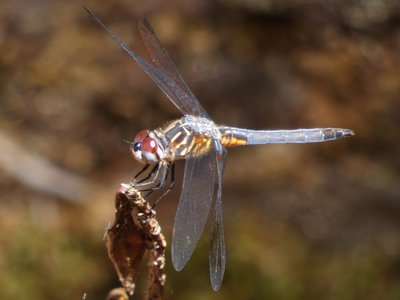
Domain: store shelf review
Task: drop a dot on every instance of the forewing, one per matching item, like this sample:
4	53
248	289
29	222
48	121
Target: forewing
193	208
184	98
171	89
217	257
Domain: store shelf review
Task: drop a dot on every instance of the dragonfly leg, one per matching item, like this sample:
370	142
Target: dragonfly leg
150	180
163	179
150	175
142	170
171	186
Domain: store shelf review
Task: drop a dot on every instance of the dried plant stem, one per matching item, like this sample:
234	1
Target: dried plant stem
135	230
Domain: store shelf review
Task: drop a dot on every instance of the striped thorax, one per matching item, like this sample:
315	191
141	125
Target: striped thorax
187	137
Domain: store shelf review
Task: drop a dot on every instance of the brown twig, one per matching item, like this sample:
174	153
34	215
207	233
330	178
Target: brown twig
135	230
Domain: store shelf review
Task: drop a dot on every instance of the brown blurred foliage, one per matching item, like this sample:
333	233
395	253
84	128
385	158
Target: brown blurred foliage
318	221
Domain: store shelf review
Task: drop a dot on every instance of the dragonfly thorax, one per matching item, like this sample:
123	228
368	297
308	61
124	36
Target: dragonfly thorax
187	137
147	148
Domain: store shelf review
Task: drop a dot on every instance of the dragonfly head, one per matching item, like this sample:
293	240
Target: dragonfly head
147	148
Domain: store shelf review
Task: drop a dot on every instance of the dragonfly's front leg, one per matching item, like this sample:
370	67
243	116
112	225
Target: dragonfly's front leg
150	175
162	183
156	174
163	179
142	170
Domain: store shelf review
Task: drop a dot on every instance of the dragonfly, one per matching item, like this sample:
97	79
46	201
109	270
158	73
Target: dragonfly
202	143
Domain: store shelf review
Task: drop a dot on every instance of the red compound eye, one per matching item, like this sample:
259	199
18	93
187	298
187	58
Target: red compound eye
149	145
141	136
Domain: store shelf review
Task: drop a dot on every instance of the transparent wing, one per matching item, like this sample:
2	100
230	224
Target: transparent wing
180	97
184	98
193	208
217	256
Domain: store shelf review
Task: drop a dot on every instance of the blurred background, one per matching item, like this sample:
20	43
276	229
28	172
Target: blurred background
313	221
